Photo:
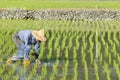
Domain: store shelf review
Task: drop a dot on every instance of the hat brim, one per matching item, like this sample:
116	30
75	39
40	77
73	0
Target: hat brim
38	35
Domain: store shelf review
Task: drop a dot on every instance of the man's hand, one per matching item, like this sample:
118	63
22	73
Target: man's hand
37	61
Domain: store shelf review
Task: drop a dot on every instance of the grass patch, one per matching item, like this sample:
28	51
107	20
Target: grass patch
60	4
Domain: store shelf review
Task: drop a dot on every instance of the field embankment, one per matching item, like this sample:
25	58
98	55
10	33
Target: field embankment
61	14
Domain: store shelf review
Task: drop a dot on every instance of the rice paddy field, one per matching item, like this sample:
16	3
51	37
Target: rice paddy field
75	49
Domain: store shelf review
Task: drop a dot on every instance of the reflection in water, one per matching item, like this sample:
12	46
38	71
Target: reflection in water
55	70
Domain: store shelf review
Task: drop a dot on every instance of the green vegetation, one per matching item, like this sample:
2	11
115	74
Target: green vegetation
60	4
71	46
75	49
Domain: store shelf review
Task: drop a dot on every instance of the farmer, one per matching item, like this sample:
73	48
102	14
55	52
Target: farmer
24	40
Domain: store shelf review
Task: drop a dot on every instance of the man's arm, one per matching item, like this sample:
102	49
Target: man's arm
37	47
26	39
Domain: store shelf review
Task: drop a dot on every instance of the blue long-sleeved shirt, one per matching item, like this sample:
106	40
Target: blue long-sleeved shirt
28	38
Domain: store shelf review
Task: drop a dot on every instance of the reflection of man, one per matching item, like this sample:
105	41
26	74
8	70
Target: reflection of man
24	40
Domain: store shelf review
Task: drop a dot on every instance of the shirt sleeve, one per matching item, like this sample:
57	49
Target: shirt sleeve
37	47
26	38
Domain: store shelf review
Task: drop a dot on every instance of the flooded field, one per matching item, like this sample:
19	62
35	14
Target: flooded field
75	50
56	70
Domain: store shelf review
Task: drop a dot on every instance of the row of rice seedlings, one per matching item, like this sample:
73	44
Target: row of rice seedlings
6	74
57	40
21	71
75	77
58	53
50	49
108	50
114	46
105	53
55	70
65	70
89	57
96	71
106	69
83	52
115	38
86	70
111	25
116	66
70	39
42	49
91	48
99	51
63	41
43	73
109	38
77	40
113	51
102	39
75	44
118	58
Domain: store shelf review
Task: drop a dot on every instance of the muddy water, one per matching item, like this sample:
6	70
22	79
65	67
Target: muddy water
36	72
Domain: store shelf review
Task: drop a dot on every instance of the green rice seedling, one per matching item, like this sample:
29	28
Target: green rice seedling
96	71
77	41
70	42
106	50
43	73
52	76
65	70
110	59
115	38
74	53
16	77
41	52
114	63
117	71
50	41
66	52
83	55
109	39
91	55
63	42
108	27
102	38
84	42
118	57
101	26
114	52
90	39
89	24
99	50
55	70
110	23
106	68
75	70
86	70
116	66
58	52
49	55
56	44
